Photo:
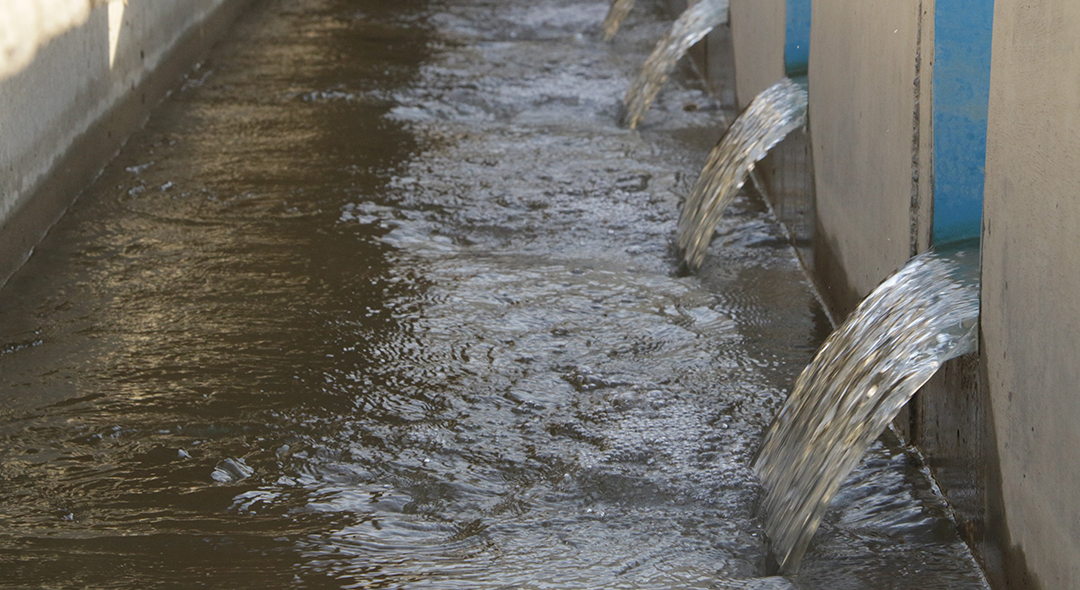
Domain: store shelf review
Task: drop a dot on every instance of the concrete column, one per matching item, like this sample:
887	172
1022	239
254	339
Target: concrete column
757	34
1031	284
867	137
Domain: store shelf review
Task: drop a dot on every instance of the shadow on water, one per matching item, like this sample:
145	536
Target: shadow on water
192	306
382	298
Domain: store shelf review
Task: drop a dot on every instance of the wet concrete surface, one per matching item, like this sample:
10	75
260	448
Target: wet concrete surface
383	298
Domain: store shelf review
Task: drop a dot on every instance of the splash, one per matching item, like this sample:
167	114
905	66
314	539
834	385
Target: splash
615	16
692	25
773	114
921	316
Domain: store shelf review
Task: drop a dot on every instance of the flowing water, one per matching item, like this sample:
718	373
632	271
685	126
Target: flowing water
921	316
770	117
692	26
616	15
382	298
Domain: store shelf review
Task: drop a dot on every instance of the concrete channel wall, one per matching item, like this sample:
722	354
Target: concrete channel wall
999	428
757	35
76	81
864	64
1031	281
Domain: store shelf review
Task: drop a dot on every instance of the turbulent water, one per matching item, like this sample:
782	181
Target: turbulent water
616	14
771	116
691	26
921	316
382	297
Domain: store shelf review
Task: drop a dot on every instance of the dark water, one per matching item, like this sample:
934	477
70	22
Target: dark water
383	298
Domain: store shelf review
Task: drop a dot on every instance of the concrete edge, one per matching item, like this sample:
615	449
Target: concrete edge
88	154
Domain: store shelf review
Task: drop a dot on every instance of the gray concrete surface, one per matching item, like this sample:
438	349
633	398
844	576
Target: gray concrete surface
757	33
1031	282
863	73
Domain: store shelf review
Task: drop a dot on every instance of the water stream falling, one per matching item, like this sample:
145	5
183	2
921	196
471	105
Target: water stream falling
921	316
771	116
615	16
691	26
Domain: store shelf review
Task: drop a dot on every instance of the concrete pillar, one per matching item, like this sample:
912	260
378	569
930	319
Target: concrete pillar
757	34
869	142
1031	284
771	39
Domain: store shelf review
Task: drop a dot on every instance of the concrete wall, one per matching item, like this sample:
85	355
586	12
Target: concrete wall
868	137
719	65
69	103
757	34
998	428
1031	281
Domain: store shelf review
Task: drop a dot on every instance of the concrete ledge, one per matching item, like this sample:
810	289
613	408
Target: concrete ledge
78	100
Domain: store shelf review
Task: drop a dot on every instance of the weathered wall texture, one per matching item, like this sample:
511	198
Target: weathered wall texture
1031	280
999	428
87	86
863	82
757	34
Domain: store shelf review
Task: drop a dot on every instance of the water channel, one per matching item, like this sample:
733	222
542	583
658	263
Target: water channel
383	297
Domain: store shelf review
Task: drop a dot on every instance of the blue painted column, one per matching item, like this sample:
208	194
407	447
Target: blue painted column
962	34
797	38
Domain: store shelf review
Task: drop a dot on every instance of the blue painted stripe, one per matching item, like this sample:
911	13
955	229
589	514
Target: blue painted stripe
797	38
962	39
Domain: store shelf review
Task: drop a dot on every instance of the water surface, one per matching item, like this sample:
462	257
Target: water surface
384	298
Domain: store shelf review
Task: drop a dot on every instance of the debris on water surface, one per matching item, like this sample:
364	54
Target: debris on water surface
231	471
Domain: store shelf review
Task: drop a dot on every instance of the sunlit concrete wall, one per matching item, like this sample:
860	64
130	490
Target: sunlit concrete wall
74	86
1031	281
869	141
